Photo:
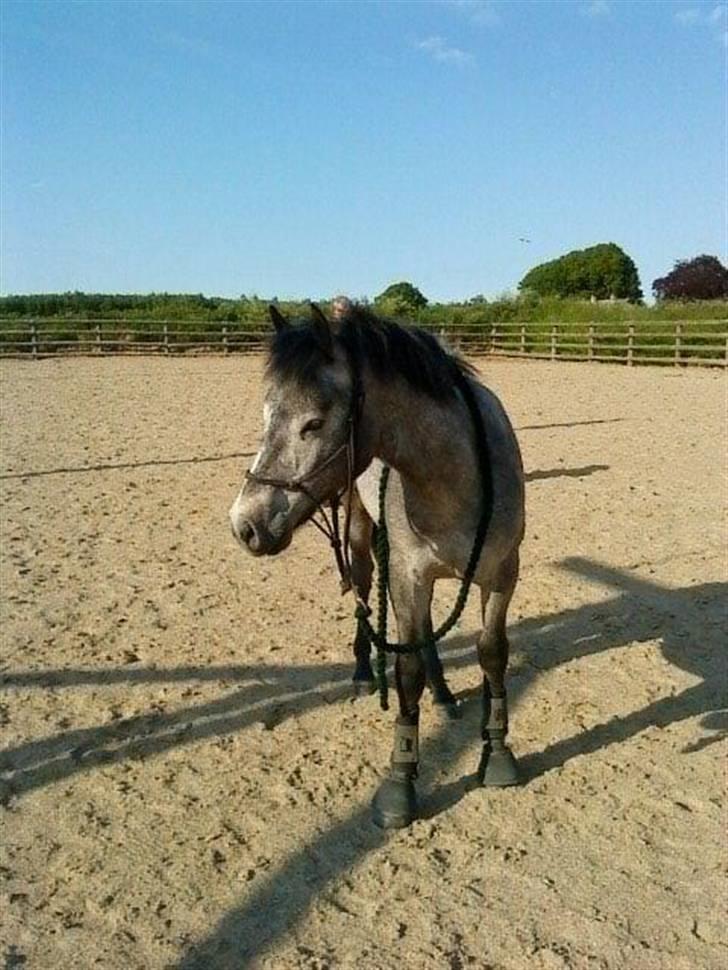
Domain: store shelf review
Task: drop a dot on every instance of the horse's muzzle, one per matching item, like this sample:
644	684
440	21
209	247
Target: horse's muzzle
256	539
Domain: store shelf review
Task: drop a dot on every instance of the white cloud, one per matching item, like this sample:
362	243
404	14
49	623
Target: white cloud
719	16
482	13
597	8
439	50
699	17
689	16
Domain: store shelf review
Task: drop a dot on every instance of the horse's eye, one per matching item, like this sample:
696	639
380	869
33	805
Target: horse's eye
315	424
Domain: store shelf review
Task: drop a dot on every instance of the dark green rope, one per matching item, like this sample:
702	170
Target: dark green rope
378	637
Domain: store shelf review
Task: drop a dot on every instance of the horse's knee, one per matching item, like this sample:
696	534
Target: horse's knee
493	649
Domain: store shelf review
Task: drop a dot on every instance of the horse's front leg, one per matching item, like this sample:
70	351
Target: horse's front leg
362	569
395	804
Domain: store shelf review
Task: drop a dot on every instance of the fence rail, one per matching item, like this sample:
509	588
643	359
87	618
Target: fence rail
696	342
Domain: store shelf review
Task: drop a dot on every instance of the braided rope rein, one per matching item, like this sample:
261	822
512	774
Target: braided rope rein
378	637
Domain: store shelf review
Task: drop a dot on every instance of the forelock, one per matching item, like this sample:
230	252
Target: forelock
295	356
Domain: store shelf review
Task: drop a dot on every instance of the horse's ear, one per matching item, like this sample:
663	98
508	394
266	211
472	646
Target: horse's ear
279	321
322	331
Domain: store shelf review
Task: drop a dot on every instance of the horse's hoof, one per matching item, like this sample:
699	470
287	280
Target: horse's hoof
395	804
448	710
363	688
498	768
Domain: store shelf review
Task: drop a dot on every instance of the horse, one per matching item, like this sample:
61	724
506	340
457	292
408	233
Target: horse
346	401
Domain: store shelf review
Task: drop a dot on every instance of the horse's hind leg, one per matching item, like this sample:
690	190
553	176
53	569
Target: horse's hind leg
362	567
497	766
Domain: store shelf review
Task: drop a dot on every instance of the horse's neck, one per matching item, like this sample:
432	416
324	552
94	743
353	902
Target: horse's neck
429	443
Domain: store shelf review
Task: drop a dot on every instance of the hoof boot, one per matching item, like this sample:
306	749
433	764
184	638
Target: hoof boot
395	804
498	767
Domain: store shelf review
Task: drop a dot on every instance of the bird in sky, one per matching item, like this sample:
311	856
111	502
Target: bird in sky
523	239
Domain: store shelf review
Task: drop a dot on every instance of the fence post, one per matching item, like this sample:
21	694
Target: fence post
34	339
678	334
224	338
523	338
590	343
166	338
493	337
630	345
553	342
99	345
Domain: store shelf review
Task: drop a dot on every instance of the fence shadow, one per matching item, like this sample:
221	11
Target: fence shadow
115	466
268	695
160	462
541	474
689	622
568	424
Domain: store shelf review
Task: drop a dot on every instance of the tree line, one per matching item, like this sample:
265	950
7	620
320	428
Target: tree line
553	291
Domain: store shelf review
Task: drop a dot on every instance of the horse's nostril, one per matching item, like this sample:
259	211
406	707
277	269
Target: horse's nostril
247	533
243	531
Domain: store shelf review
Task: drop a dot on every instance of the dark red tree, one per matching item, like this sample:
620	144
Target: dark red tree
702	278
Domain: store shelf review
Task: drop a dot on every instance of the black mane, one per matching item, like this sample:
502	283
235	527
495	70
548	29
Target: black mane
388	348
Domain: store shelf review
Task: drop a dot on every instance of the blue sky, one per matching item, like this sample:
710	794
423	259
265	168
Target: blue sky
304	149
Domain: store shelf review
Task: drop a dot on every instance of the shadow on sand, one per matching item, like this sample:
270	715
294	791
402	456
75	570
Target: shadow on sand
115	466
540	474
638	611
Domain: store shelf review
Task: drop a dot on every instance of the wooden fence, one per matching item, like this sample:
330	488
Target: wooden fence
695	342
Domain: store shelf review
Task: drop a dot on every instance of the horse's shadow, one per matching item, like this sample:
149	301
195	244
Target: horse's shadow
640	611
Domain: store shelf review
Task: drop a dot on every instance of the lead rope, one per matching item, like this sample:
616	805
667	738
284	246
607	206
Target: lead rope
378	637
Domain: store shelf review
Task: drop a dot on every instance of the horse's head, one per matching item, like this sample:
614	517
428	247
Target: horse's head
305	454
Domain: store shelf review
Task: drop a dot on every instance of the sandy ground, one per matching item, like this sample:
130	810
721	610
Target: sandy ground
185	778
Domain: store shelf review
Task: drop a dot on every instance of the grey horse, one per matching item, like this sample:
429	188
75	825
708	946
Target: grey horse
343	399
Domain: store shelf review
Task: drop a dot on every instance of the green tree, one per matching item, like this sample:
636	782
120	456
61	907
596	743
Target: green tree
400	300
604	271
